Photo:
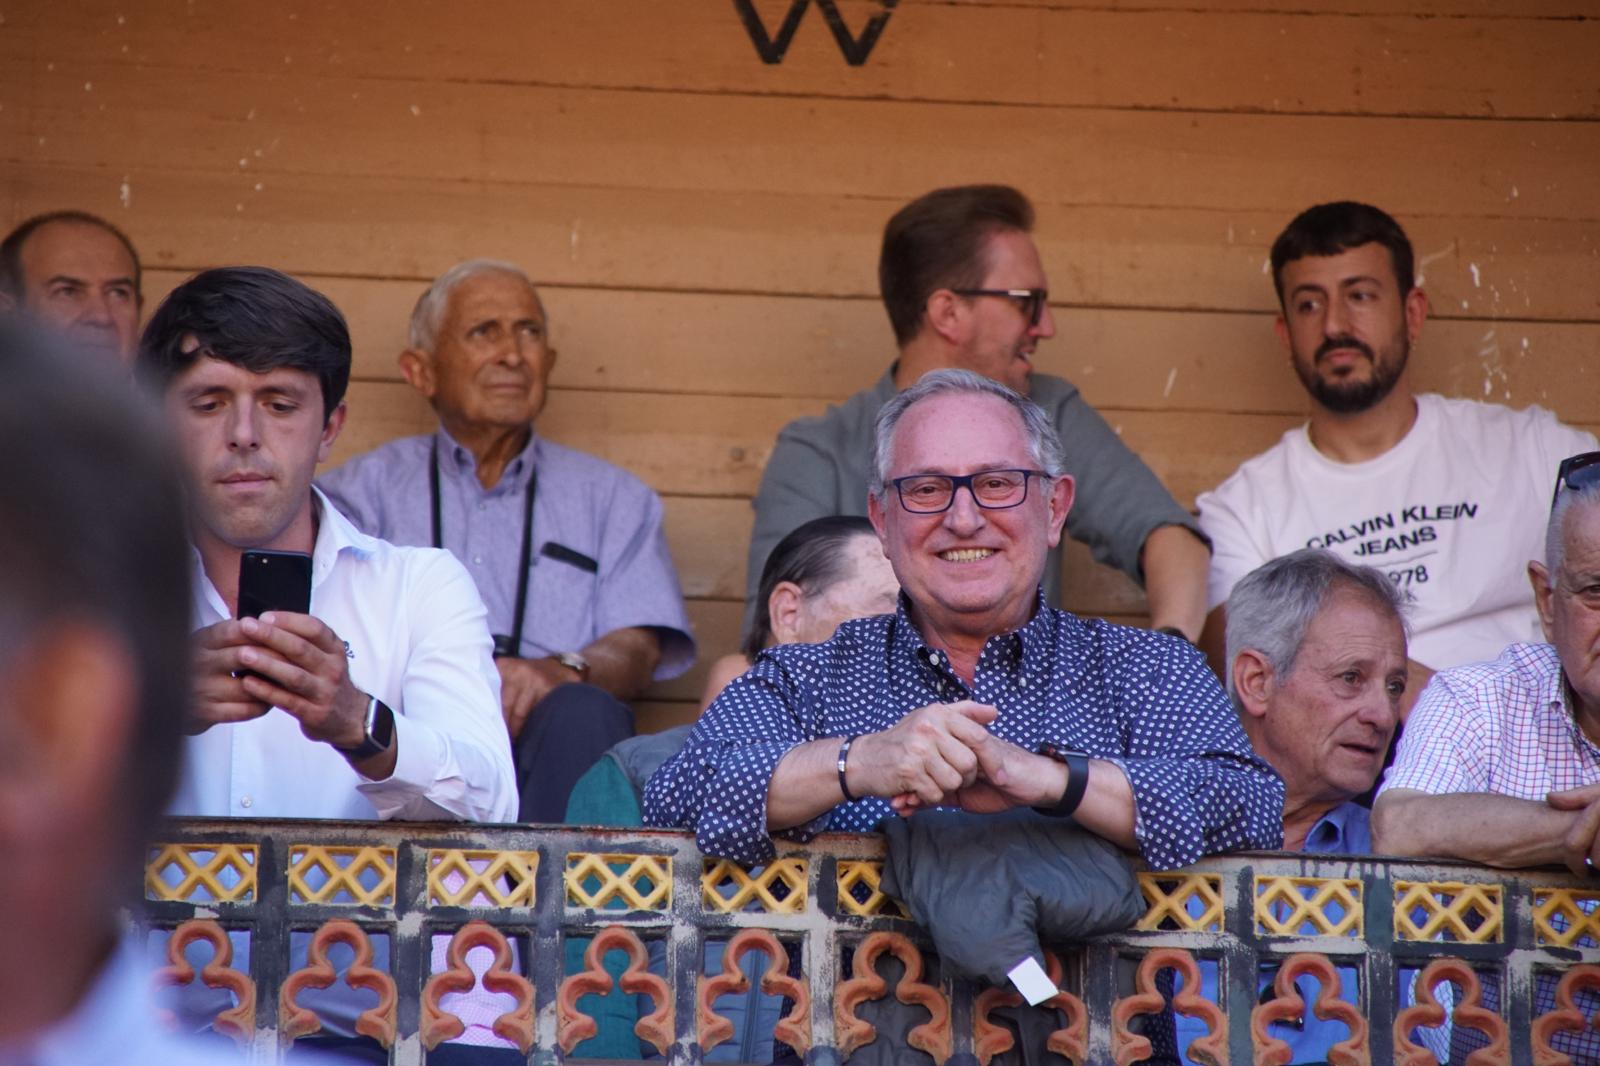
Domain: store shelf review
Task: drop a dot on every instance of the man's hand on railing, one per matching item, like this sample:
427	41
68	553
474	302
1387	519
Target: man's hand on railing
1582	844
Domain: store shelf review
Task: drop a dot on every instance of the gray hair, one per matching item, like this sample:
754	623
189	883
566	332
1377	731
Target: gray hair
427	316
1271	607
1555	541
1043	442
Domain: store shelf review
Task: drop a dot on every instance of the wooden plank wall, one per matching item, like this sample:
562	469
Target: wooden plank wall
705	225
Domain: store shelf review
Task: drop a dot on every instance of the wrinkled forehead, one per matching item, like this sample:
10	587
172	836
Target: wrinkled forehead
494	294
957	432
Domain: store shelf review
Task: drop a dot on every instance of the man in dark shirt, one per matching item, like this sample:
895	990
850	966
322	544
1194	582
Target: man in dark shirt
974	694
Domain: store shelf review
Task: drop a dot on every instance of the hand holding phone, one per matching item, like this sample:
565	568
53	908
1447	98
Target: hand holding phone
274	581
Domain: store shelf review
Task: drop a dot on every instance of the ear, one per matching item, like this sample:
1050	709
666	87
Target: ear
875	515
1280	326
68	706
946	315
1416	313
1543	597
416	366
1061	495
330	431
1252	680
784	607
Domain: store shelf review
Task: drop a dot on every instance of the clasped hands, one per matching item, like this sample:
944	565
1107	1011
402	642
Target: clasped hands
944	755
1581	848
245	667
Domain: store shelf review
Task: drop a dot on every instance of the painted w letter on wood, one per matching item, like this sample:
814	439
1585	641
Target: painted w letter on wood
772	48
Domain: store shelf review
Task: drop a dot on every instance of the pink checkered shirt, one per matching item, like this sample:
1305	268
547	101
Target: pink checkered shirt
1502	727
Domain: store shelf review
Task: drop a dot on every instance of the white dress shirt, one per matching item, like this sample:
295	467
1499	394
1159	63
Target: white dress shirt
417	638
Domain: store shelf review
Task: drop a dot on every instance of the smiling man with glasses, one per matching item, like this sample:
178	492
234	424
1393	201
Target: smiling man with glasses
965	288
975	694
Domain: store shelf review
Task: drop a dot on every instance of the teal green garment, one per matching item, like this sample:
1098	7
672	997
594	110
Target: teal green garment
603	796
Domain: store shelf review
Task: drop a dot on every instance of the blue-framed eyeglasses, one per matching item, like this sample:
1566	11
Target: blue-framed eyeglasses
993	490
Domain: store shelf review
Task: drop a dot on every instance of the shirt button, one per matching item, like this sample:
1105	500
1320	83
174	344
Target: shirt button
245	801
477	560
1022	682
483	507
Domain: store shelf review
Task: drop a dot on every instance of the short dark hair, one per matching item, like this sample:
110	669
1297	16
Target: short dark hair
11	280
254	317
1328	229
936	242
95	530
813	557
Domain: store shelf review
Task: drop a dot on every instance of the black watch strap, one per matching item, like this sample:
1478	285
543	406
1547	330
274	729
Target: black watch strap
379	737
1077	764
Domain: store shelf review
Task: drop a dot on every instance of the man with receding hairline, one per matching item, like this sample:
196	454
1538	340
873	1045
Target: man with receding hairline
566	549
78	273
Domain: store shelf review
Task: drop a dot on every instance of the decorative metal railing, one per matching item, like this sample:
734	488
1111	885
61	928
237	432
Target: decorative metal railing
250	889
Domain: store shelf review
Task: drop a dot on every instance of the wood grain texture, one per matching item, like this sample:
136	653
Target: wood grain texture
1292	60
260	127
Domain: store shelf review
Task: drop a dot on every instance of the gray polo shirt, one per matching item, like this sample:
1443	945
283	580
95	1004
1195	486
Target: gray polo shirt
822	466
615	571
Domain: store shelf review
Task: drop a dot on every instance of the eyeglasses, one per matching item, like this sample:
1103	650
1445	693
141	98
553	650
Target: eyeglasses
993	490
1577	472
1029	301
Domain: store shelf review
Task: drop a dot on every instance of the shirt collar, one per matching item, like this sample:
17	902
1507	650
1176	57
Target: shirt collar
1333	831
1030	647
1556	697
335	535
457	461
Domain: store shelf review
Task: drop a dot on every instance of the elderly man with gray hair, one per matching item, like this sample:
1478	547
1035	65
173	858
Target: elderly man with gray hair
566	549
975	693
1317	670
1499	763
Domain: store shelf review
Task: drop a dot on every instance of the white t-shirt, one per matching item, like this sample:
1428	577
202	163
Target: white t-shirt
1452	514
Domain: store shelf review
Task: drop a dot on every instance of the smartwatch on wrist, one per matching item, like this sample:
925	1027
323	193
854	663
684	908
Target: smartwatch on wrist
378	727
1077	764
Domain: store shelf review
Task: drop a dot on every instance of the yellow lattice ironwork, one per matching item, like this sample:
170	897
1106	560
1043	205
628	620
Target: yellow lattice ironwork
1449	910
1566	918
319	874
1308	906
225	872
1188	902
780	887
861	890
460	877
642	882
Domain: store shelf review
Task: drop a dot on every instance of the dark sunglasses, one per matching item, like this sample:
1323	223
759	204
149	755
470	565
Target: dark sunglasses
1576	472
1029	301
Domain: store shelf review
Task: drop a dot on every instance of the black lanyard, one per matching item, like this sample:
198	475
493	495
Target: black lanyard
503	646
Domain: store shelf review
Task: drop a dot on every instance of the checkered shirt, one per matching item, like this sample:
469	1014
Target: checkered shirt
1502	727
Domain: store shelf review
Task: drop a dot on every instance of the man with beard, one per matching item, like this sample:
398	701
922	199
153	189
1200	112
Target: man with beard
965	289
1442	495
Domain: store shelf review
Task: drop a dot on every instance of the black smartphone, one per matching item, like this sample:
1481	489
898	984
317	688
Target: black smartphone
274	581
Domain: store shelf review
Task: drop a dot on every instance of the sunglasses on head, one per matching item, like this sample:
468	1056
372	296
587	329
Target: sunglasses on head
1577	472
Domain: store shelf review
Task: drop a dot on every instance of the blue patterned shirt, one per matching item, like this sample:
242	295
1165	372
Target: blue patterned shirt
1142	700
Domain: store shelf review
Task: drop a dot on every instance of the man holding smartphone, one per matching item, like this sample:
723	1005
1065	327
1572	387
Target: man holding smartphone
381	701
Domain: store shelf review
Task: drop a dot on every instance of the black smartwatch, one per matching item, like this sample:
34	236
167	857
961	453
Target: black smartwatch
1077	764
379	729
